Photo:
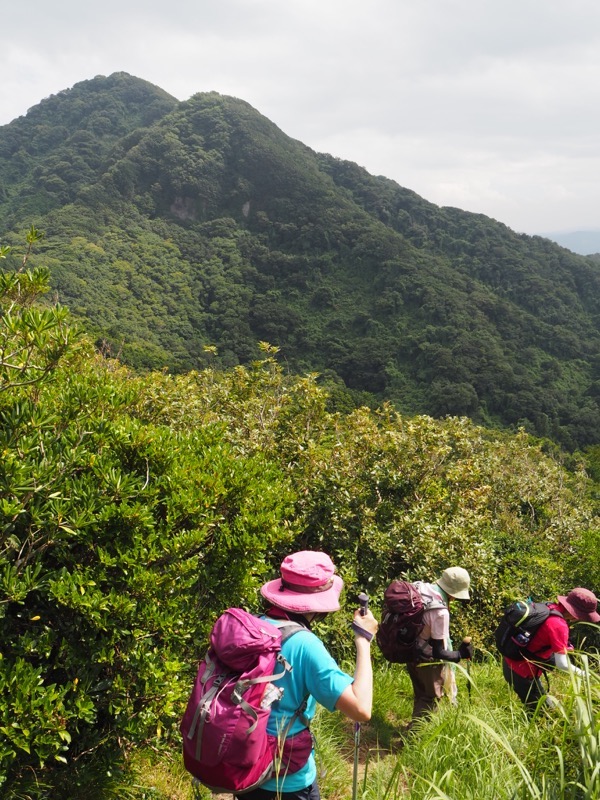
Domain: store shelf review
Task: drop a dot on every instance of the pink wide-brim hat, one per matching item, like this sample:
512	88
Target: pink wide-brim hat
581	603
307	584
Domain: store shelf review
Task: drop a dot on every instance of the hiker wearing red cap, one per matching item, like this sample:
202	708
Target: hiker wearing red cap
306	591
549	645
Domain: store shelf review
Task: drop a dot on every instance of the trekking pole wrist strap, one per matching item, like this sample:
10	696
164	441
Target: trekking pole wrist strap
362	632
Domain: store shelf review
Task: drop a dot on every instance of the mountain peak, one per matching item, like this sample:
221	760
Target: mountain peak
183	226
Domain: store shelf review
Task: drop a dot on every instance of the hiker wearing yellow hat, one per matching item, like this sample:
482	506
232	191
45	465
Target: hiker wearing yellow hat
433	642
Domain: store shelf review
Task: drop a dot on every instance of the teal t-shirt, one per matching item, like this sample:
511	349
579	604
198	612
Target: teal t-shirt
314	673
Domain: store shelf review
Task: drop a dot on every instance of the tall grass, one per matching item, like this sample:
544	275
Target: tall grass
485	747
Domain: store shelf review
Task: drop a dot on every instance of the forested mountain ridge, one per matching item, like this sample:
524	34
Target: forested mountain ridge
176	228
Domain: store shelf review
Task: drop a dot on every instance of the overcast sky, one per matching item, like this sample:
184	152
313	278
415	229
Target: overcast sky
492	106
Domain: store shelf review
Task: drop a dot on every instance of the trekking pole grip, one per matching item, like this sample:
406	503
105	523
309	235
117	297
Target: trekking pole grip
363	600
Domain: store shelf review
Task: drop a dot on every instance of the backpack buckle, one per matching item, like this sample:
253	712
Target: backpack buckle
238	692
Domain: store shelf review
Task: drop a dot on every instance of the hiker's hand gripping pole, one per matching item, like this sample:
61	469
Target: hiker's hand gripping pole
363	600
356	701
465	648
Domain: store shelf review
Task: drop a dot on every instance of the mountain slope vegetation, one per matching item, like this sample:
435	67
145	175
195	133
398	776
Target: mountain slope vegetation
135	507
183	233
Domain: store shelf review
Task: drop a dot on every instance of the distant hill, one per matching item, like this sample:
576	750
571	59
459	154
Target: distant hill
583	242
173	228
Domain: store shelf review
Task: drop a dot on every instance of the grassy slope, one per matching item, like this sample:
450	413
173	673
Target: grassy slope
482	748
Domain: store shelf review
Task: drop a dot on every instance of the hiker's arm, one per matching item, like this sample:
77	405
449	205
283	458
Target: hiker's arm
561	661
440	653
438	622
356	701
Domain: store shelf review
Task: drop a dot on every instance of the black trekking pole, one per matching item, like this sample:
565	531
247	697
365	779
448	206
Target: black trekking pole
467	640
363	599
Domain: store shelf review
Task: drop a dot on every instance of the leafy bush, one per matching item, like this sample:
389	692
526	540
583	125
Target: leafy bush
120	541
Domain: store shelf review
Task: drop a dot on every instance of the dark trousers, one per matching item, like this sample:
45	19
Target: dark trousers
310	793
529	690
428	687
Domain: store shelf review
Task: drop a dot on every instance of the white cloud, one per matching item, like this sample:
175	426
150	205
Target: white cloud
492	107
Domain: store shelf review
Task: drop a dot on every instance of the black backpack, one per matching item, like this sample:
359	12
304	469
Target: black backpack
517	626
402	622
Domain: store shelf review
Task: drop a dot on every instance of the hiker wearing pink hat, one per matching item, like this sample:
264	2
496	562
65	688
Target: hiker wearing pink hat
307	583
306	590
549	645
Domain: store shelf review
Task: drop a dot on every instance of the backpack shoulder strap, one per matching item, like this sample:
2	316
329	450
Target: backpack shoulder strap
288	627
432	599
552	612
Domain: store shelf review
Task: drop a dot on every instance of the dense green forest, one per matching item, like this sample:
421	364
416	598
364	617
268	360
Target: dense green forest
135	507
182	234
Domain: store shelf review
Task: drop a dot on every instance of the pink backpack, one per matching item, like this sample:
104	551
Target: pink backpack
225	742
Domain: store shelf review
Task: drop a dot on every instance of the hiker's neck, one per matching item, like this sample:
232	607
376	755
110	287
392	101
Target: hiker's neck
280	613
444	594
